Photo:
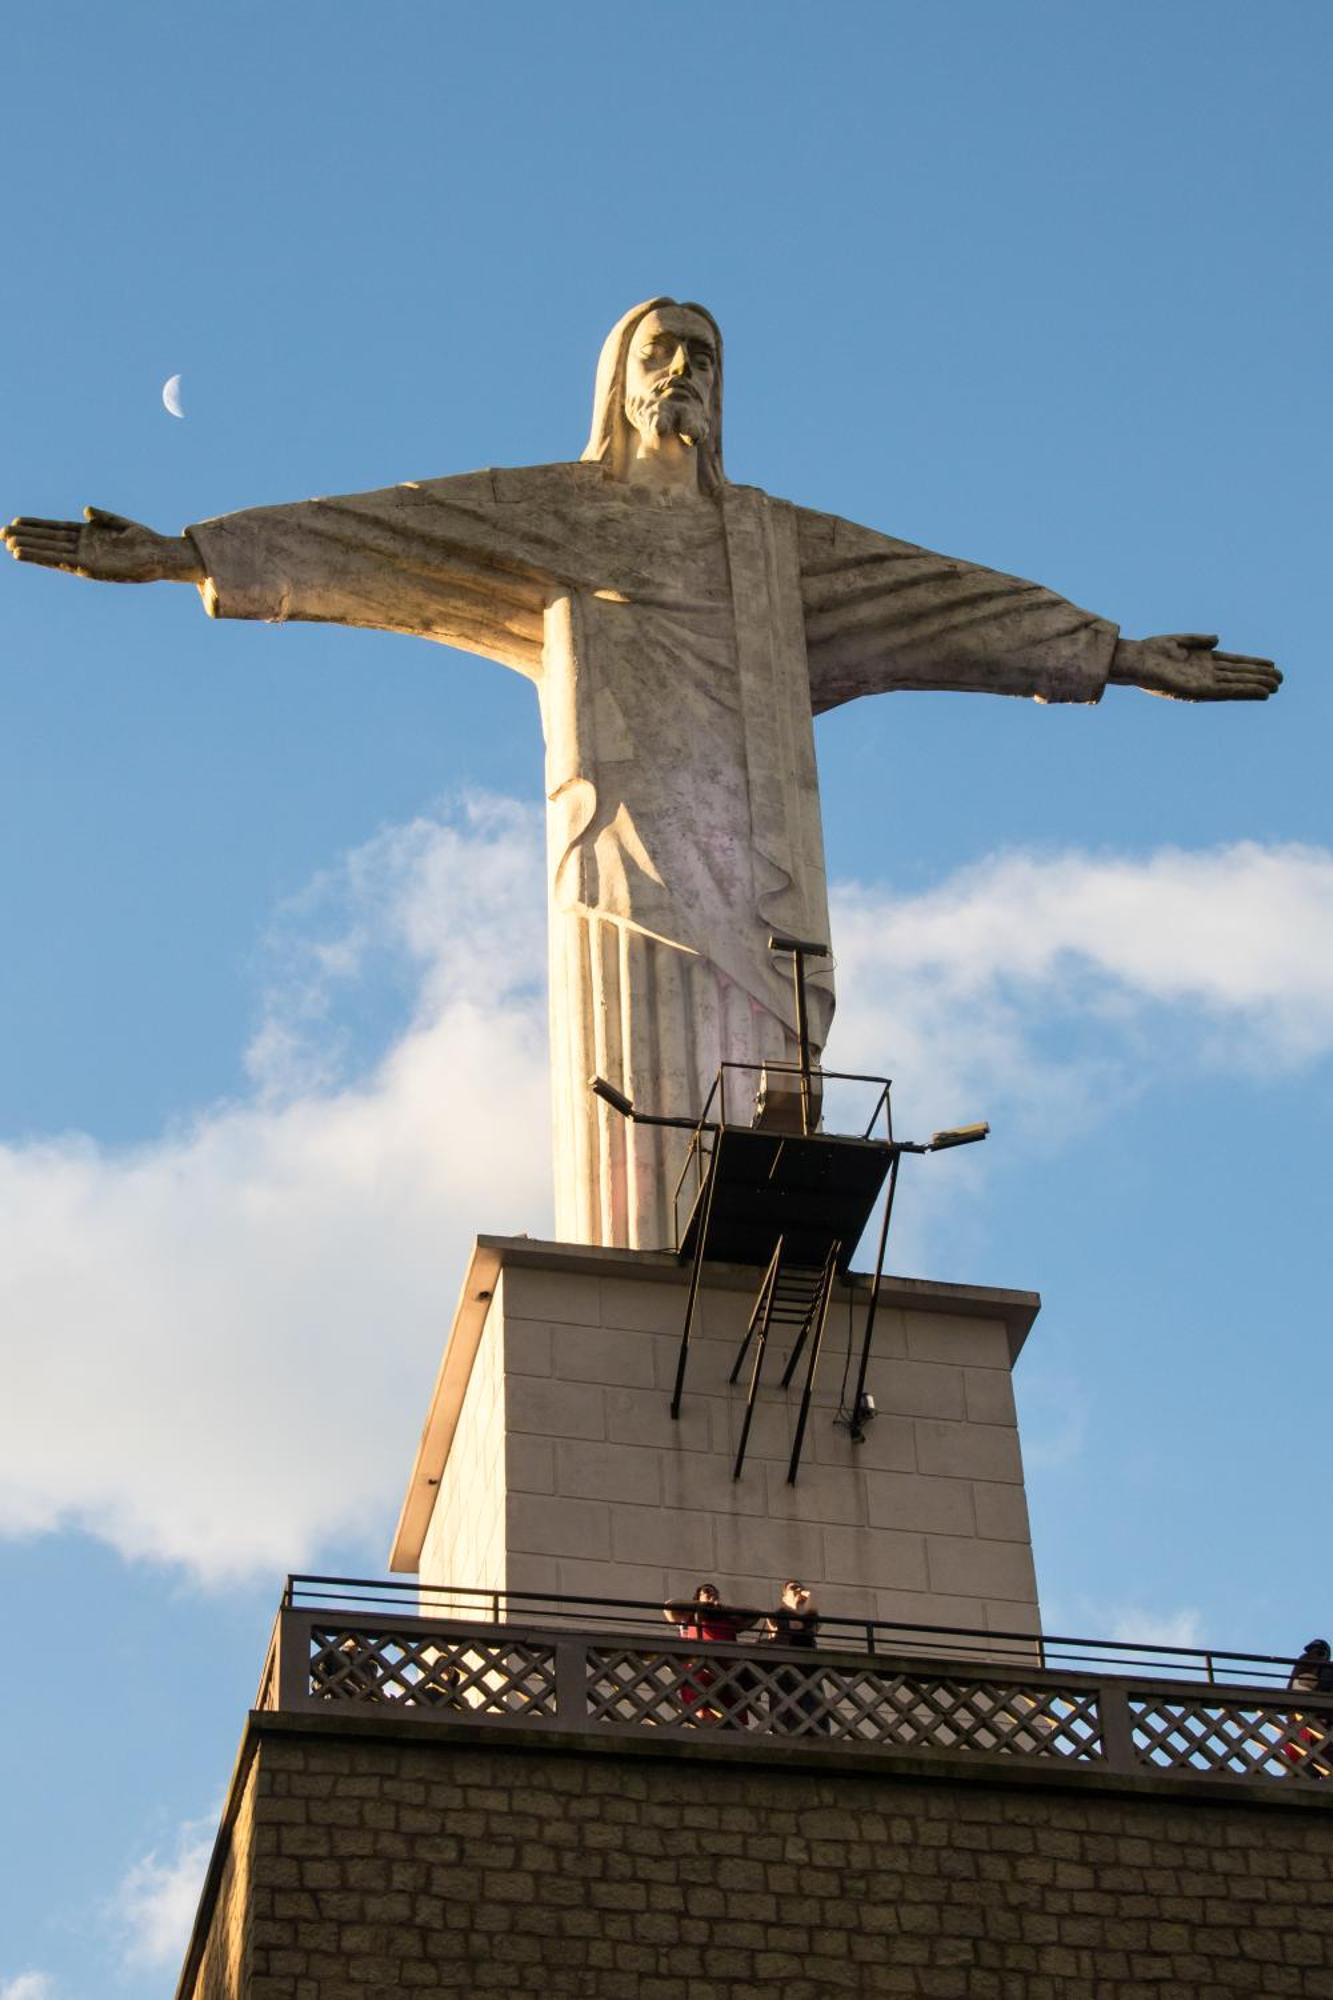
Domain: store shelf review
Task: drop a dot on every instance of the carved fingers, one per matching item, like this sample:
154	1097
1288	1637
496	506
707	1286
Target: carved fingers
1244	677
55	544
1186	666
105	546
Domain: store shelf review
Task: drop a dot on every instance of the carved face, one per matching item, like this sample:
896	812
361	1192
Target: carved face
670	372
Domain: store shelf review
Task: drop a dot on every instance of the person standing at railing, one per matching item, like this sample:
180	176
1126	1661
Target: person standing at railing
713	1693
1312	1673
348	1667
795	1702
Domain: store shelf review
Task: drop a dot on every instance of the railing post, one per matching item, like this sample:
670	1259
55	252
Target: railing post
1117	1731
292	1675
571	1683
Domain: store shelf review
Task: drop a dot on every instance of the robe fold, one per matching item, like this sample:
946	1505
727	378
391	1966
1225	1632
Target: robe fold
680	650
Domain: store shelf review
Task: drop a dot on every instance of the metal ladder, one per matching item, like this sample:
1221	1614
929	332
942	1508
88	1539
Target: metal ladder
795	1296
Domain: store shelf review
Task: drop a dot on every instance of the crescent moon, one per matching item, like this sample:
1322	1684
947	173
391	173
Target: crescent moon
171	396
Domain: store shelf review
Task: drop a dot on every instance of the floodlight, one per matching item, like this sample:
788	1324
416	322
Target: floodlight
864	1413
958	1135
776	943
855	1420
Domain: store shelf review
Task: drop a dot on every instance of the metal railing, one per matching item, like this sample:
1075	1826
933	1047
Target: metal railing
705	1128
607	1667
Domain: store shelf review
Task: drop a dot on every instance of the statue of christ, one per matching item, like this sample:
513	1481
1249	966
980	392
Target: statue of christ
682	633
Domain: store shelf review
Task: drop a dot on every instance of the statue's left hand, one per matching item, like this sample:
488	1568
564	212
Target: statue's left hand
1186	666
110	548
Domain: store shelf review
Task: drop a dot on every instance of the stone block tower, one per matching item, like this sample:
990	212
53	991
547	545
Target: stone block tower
549	1460
501	1792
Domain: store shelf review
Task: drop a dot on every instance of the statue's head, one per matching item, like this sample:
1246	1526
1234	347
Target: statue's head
660	373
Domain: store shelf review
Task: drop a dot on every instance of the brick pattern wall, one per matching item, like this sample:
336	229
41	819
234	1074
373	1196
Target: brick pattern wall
224	1968
391	1868
926	1520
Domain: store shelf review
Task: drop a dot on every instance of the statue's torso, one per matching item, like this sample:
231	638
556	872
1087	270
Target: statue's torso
644	720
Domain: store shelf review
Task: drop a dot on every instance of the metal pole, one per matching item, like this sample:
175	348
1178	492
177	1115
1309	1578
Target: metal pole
761	1343
695	1274
826	1293
873	1307
802	1036
760	1306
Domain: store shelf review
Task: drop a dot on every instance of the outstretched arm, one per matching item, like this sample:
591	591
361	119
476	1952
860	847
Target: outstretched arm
882	614
106	547
441	559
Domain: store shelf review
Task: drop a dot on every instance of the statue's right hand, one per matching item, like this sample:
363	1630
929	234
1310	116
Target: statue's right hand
104	546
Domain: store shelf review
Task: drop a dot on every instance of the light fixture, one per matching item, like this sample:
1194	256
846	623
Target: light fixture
957	1135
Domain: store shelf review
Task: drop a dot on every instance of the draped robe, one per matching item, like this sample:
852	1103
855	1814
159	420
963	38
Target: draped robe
680	649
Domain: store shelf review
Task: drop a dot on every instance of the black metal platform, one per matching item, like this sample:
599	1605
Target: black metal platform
809	1190
785	1198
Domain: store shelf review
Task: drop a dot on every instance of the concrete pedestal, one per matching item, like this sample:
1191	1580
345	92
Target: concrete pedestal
549	1459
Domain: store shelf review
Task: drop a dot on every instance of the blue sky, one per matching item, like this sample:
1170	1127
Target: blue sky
1038	285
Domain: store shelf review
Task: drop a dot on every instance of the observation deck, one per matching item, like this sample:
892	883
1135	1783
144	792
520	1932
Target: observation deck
609	1674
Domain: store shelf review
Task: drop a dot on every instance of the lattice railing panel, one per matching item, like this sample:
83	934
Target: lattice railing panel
942	1712
427	1669
489	1674
862	1706
1233	1739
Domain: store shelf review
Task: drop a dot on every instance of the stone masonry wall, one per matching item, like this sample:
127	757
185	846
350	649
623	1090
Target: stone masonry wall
606	1496
389	1867
224	1967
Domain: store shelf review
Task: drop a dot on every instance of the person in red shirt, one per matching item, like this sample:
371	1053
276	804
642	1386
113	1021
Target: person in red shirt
713	1691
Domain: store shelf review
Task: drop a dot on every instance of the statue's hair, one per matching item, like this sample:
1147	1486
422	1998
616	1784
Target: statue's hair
610	440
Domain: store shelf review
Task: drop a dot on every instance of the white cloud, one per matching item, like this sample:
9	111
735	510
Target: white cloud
436	914
1049	982
1135	1622
28	1986
221	1341
1130	1624
154	1904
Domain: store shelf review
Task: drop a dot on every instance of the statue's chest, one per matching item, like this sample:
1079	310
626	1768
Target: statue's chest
660	628
673	558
